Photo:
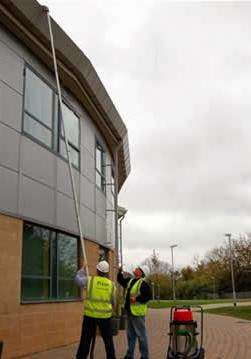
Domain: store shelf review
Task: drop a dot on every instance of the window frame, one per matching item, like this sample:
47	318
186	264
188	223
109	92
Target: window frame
103	165
54	274
56	120
24	111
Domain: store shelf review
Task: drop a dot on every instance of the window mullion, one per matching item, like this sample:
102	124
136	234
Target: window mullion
54	266
51	266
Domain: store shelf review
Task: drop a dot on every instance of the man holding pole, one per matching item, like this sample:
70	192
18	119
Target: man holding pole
97	309
137	294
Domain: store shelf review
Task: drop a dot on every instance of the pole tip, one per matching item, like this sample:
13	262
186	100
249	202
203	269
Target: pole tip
45	9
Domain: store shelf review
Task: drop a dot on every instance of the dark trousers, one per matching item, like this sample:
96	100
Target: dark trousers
88	333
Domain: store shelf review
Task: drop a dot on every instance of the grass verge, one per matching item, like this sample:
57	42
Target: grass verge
168	303
243	312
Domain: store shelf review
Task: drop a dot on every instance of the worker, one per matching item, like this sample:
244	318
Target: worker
137	294
97	309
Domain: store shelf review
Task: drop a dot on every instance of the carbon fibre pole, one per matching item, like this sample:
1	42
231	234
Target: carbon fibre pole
46	10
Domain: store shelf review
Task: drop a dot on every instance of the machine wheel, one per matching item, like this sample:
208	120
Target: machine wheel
169	355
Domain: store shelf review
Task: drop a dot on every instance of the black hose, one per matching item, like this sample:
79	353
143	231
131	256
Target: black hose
188	344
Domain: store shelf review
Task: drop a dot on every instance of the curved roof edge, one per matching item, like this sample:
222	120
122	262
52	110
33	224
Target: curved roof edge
27	21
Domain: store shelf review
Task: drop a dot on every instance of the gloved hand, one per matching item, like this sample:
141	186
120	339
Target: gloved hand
133	300
84	265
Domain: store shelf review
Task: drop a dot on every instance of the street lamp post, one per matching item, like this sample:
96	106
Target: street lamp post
214	287
153	294
228	235
172	247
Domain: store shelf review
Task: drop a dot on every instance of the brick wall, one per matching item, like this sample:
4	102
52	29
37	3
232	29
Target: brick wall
30	328
10	281
113	265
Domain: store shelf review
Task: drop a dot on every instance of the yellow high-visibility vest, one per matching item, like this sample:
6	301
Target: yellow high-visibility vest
98	303
137	308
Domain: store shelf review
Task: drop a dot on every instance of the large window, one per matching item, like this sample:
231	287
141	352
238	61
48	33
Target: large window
38	106
42	119
49	265
100	167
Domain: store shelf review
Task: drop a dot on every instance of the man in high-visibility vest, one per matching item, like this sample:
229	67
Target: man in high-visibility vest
97	309
137	294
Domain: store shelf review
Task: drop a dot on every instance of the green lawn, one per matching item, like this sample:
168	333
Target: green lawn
238	312
168	303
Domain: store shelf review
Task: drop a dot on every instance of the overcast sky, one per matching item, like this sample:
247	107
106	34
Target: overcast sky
180	76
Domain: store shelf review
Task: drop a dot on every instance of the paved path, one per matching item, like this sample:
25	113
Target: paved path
225	338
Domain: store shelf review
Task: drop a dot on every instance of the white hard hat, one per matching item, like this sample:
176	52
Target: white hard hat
103	267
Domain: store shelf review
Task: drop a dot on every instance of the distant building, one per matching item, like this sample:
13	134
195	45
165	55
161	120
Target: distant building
40	306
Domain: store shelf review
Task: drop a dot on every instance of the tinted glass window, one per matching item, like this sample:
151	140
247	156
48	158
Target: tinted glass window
74	154
100	167
49	264
38	98
71	122
99	159
35	129
67	266
42	118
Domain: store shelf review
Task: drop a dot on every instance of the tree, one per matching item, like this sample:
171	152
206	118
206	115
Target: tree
208	276
159	275
155	265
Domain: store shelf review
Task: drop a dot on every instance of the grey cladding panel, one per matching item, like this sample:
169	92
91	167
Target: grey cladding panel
37	201
9	147
66	217
11	68
10	107
87	165
109	188
100	203
87	193
88	223
87	135
110	198
109	205
37	162
110	240
64	181
101	235
8	190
